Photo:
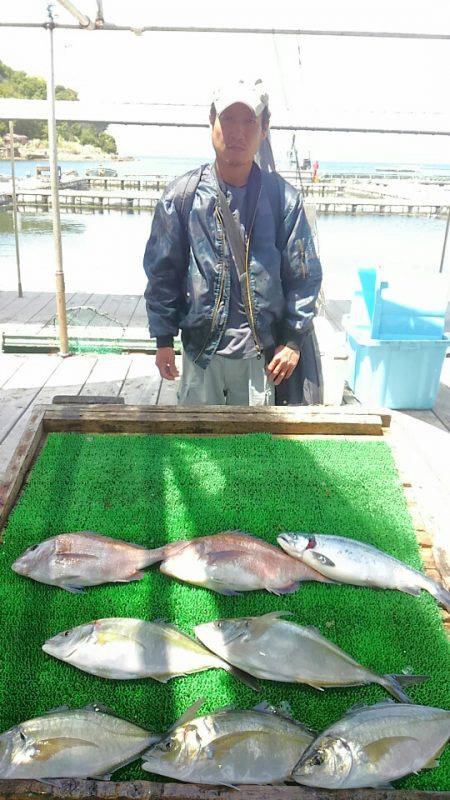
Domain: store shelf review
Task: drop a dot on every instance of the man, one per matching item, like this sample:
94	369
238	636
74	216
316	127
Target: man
243	326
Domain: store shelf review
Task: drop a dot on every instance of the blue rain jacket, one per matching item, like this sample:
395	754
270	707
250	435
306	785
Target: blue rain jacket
188	285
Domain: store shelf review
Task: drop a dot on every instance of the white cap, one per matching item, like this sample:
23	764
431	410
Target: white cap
250	93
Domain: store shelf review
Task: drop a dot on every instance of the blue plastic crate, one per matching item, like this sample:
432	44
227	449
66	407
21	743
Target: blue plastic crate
395	374
403	306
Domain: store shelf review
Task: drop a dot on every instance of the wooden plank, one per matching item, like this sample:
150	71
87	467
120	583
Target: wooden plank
139	318
95	399
111	306
22	388
127	308
163	419
20	463
9	364
68	377
6	298
143	381
78	789
108	375
25	308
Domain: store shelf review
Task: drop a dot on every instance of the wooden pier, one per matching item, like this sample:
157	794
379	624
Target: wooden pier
128	200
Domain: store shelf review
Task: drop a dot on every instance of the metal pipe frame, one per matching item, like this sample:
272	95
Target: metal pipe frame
108	26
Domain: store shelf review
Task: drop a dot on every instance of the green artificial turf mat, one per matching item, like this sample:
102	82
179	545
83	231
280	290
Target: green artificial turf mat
154	489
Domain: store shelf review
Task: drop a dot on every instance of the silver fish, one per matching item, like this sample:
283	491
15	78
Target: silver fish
85	558
232	562
79	743
349	561
373	745
274	649
123	648
230	747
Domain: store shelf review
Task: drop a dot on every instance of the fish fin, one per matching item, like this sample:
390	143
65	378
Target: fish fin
439	592
258	625
100	708
394	685
288	589
236	533
46	748
166	551
264	707
165	678
226	592
222	555
71	588
222	744
134	576
315	686
56	710
105	776
322	559
283	710
189	714
376	750
244	677
434	760
414	590
164	623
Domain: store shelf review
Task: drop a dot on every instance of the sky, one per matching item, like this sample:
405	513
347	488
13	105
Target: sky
331	79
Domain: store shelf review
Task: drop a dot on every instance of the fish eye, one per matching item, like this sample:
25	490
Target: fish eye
33	547
66	633
317	760
22	736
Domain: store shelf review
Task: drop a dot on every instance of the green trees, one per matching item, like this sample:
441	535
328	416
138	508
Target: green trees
15	83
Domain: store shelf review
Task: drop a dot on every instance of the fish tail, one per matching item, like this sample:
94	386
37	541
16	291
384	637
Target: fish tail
394	685
161	553
438	591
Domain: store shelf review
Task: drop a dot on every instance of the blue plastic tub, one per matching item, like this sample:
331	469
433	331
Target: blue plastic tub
395	373
404	306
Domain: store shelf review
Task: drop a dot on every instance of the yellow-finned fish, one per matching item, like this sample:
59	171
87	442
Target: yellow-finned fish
373	745
229	748
280	650
124	648
87	742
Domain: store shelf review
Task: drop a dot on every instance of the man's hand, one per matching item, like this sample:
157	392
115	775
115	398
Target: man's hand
283	364
165	361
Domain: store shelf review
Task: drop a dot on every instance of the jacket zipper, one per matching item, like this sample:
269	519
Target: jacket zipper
247	281
215	310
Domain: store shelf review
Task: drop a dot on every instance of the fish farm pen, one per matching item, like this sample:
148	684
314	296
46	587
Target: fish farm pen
151	475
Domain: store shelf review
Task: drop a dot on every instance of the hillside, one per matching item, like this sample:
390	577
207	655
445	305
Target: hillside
14	83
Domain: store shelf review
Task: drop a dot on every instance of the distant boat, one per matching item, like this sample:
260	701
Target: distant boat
101	172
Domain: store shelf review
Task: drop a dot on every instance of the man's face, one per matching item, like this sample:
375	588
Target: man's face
237	134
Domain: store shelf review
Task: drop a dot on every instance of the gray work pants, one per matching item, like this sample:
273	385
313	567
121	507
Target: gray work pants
225	381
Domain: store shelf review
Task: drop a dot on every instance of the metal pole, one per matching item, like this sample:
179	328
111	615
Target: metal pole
109	26
53	160
83	20
441	268
14	199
